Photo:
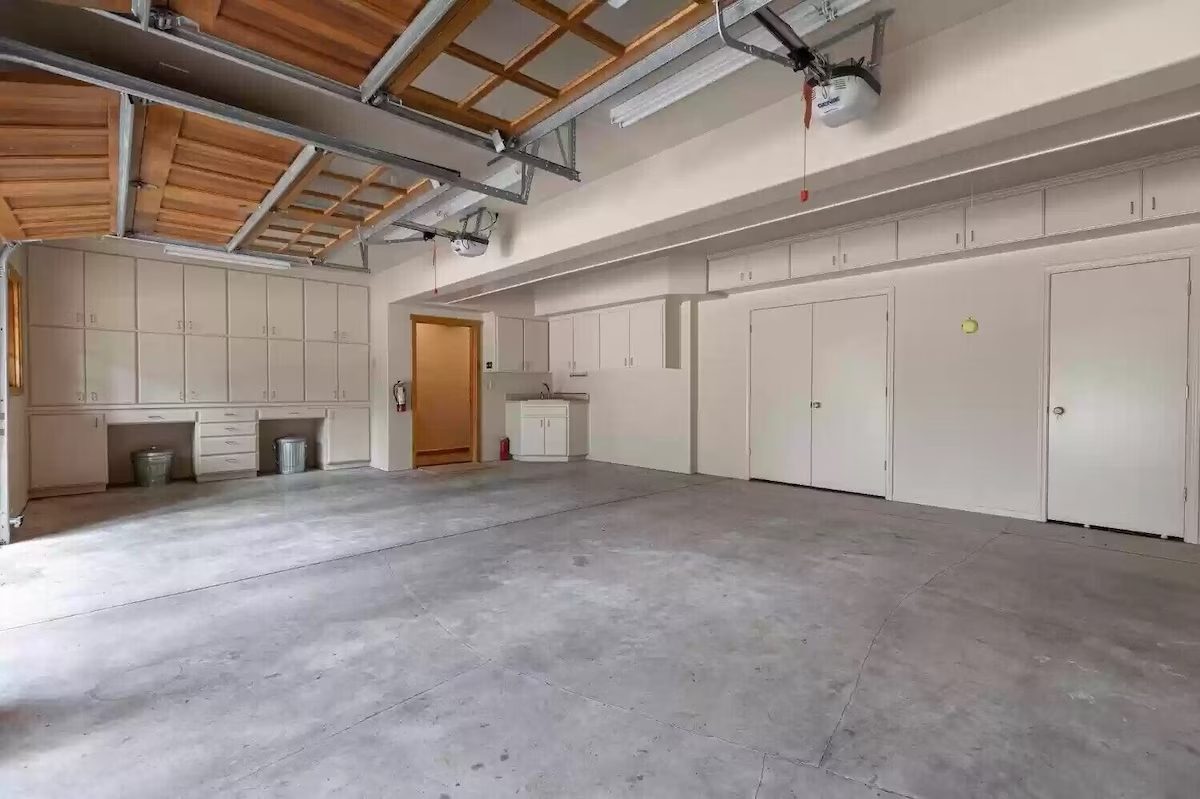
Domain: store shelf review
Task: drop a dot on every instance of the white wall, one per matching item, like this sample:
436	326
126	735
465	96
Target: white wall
642	280
967	410
16	404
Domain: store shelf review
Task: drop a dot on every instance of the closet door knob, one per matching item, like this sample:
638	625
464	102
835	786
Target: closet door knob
814	405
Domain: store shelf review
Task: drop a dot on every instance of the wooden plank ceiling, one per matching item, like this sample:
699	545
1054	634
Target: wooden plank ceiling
539	56
58	157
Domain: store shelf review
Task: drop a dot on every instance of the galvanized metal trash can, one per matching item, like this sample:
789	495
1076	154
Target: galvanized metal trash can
289	453
152	467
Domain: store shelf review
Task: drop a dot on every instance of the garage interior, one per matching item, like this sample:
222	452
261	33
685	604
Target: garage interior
744	399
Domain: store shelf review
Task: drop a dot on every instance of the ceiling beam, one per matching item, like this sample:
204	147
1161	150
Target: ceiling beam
446	31
159	141
500	70
575	24
428	18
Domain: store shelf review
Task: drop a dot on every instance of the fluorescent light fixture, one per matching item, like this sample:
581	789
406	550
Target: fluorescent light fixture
805	18
201	254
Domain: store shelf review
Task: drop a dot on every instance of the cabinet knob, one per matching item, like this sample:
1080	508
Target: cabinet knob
179	324
1059	410
264	330
93	396
814	405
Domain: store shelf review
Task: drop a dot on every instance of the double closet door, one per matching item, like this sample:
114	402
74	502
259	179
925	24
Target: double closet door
818	394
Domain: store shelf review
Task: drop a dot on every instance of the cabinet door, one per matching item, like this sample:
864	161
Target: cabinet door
533	435
55	287
320	311
204	298
510	344
247	304
1016	218
1112	200
247	369
614	339
767	266
67	450
285	307
108	291
1171	189
556	435
160	368
353	365
110	366
349	435
646	335
159	297
869	246
728	272
587	342
931	234
814	256
207	368
285	370
536	346
562	345
320	371
353	314
56	363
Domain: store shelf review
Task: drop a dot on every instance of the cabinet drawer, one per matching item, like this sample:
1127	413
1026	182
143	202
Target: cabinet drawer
245	462
217	429
229	445
228	414
543	411
149	417
291	412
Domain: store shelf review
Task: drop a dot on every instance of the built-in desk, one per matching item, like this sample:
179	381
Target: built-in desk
69	448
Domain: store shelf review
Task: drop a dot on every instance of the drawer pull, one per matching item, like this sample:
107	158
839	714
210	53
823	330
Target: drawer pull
155	416
227	413
231	429
231	460
231	443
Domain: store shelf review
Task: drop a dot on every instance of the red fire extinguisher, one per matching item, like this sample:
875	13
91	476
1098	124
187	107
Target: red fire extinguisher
505	452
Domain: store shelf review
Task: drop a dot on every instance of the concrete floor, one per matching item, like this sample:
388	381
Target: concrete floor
586	630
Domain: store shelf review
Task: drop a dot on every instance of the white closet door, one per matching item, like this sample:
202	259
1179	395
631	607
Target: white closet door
159	297
56	356
353	363
207	374
285	370
320	371
780	392
110	359
247	304
285	307
1118	372
204	298
160	367
353	314
320	311
247	369
849	381
614	339
108	291
646	342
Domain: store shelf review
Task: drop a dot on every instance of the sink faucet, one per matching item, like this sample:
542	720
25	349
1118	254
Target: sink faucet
547	392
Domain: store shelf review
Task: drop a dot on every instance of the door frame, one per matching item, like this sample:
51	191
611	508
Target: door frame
475	327
1191	478
836	295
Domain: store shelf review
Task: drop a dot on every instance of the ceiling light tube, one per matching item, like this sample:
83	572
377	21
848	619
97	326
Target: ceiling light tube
201	254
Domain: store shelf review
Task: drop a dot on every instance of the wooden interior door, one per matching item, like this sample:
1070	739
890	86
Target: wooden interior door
445	389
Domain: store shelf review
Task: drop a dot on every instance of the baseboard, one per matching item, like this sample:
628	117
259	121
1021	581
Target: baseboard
66	491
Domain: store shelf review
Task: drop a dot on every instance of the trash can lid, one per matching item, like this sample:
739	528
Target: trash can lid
291	440
154	453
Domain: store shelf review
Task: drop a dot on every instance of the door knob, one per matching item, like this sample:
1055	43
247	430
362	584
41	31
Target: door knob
814	405
1059	410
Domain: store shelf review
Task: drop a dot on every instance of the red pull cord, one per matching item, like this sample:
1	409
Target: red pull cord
808	98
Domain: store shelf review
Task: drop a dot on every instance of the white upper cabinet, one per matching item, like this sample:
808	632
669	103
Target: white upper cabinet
204	299
510	344
108	291
160	368
727	272
285	307
814	256
320	311
1112	200
1016	218
614	338
586	342
869	246
646	335
285	371
535	337
110	366
56	356
55	287
207	372
1171	189
352	376
930	234
353	314
247	305
247	369
562	345
320	371
745	269
159	297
